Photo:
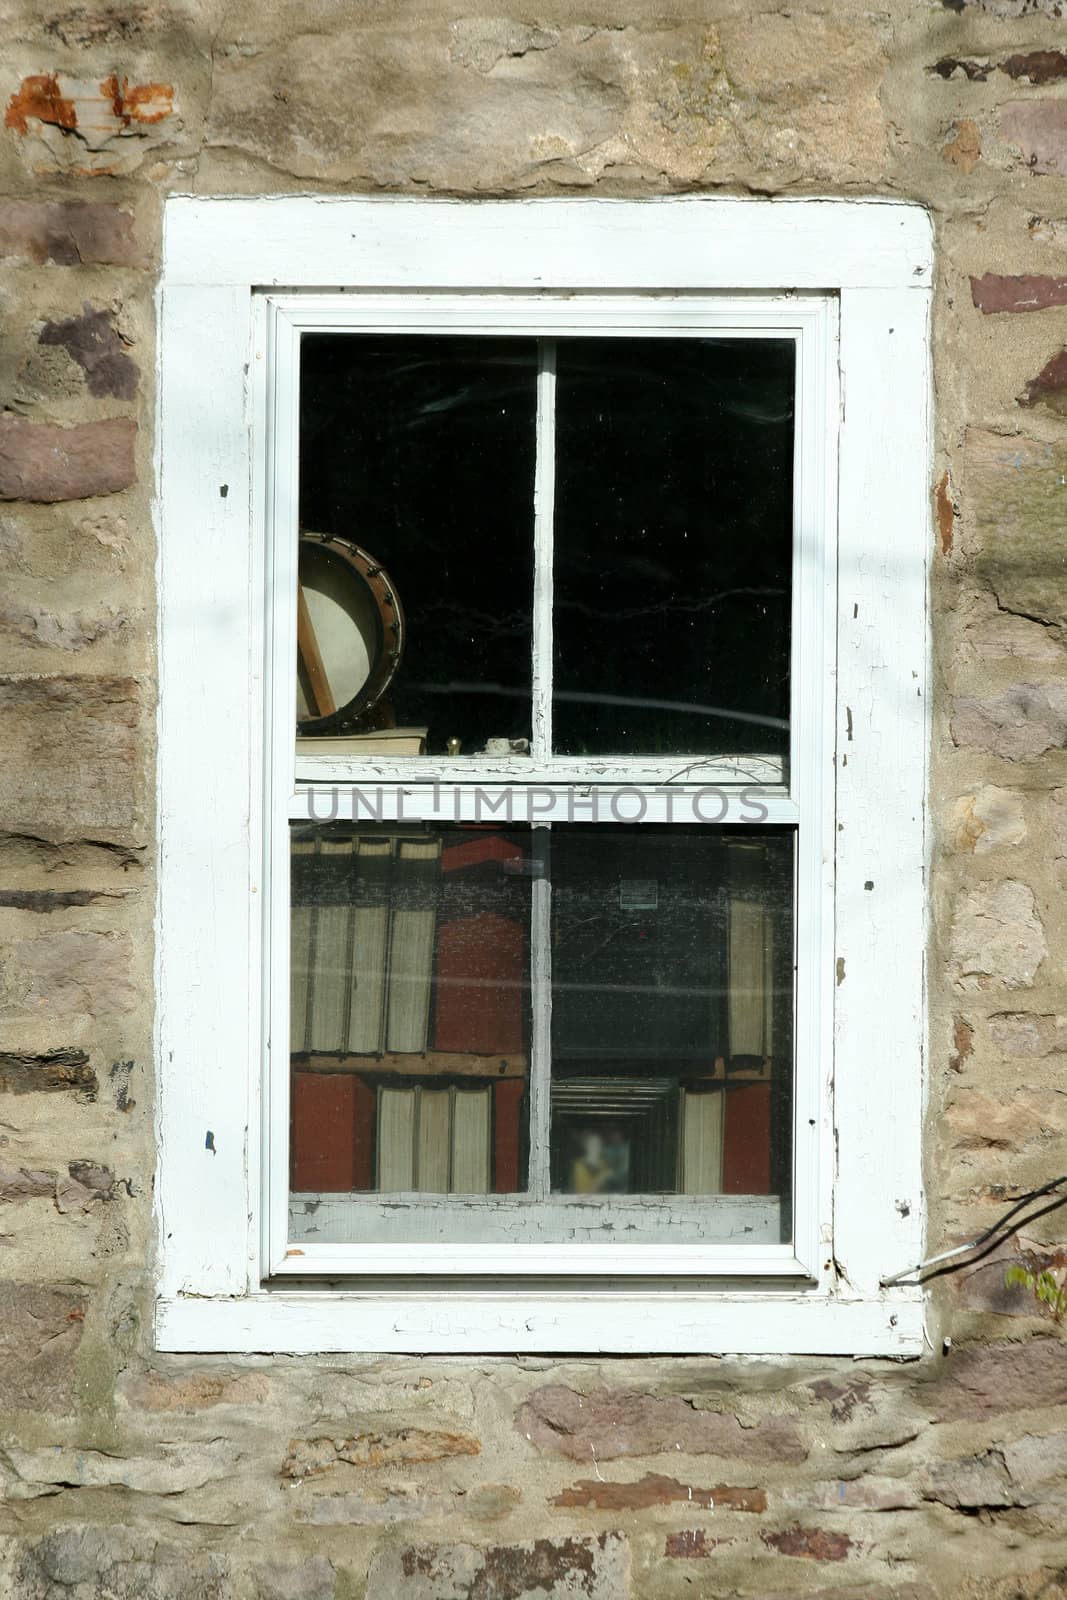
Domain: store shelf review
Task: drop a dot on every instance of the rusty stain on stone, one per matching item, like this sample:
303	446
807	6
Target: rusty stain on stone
689	1543
50	1072
656	1490
138	102
810	1544
964	150
946	513
39	98
962	1042
309	1457
1026	291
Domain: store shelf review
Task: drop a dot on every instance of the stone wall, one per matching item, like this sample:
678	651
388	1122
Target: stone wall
125	1473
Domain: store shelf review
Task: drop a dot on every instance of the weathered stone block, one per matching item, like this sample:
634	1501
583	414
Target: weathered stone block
998	1379
116	122
176	1469
314	1579
557	1569
93	341
1021	1033
388	1447
40	461
40	1330
989	819
810	1544
1019	724
655	1490
997	939
606	1424
75	972
68	232
196	1391
115	1563
49	1072
971	1483
1017	491
1039	128
71	752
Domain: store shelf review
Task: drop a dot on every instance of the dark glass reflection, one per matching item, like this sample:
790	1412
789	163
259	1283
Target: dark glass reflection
674	480
672	984
421	449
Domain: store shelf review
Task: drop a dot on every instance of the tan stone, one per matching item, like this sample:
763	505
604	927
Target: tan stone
1016	489
1023	1034
75	972
72	754
175	1469
1019	724
1010	1122
997	939
40	1331
197	1391
988	820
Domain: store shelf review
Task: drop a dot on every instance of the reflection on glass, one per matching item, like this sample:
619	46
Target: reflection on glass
671	1010
419	450
410	1008
673	536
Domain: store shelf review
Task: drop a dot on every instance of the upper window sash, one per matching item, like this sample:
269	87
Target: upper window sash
810	321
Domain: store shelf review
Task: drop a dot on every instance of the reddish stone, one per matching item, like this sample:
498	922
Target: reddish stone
1039	128
1050	386
655	1490
999	1379
689	1543
963	1043
93	342
606	1424
1026	292
43	462
1037	66
810	1544
68	232
946	513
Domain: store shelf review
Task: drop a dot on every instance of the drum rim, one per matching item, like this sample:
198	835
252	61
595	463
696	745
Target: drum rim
390	619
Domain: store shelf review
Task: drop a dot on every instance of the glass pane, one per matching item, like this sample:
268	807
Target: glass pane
410	1008
673	546
417	458
672	991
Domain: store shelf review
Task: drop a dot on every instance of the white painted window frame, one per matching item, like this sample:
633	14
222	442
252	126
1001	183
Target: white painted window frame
241	278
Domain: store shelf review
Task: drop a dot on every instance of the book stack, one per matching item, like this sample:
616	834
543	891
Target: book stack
436	1141
362	943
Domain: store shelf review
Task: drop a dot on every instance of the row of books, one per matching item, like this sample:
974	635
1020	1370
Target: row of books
377	964
352	1133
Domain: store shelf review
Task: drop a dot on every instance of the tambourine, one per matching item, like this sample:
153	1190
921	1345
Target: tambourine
350	633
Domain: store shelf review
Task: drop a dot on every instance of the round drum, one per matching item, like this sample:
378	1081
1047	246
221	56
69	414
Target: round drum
350	634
